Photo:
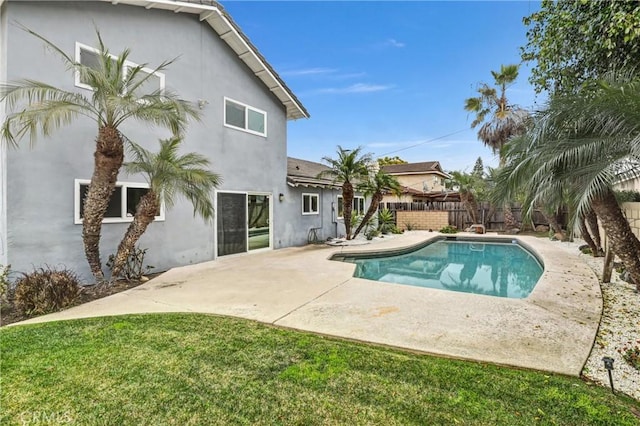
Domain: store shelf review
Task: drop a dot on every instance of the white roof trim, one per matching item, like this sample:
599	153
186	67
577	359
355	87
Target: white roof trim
228	32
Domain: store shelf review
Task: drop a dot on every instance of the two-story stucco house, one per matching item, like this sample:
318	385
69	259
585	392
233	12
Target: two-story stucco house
245	107
420	181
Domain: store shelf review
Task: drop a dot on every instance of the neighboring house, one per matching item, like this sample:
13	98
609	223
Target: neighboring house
315	204
245	107
628	178
420	182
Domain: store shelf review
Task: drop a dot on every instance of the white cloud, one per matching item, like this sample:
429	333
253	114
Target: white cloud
308	71
356	88
392	42
347	76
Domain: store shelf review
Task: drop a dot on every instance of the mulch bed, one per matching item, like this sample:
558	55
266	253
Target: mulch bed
9	314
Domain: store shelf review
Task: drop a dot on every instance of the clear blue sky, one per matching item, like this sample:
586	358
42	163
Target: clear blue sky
388	75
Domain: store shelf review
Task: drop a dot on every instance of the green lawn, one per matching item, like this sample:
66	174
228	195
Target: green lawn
196	369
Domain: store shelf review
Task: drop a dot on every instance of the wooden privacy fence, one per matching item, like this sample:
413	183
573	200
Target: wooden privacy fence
458	216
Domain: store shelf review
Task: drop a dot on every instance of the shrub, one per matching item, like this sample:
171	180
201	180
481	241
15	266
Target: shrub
372	233
631	354
396	230
410	226
4	285
135	268
46	290
449	230
627	196
386	221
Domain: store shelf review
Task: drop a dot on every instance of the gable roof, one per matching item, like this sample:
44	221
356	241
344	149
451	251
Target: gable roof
305	173
415	168
222	23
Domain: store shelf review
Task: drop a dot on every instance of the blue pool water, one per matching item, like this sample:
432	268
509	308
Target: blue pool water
497	268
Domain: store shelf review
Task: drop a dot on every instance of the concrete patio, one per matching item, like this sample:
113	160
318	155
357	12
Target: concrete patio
552	330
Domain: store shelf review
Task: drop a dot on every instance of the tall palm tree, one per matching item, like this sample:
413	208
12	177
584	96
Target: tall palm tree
499	120
466	183
169	175
350	166
118	96
578	143
375	187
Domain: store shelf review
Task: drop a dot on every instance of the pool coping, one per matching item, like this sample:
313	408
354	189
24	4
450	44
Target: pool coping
553	329
557	322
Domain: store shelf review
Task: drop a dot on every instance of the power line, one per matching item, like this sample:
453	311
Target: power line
424	142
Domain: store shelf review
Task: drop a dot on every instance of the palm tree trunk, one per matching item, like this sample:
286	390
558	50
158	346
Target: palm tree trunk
586	236
145	213
470	205
623	242
373	208
489	215
347	199
107	162
552	220
592	223
509	219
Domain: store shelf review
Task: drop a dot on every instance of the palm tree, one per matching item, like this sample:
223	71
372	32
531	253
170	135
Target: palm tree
350	166
117	97
466	188
169	175
376	186
499	119
578	143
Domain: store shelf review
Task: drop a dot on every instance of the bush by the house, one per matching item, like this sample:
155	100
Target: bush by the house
46	290
135	268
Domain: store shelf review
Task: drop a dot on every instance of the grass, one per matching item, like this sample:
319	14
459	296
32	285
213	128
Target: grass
195	369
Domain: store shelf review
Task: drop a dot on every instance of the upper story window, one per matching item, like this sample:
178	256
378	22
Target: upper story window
358	206
122	205
310	203
90	57
243	117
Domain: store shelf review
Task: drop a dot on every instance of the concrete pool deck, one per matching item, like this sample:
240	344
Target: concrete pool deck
552	330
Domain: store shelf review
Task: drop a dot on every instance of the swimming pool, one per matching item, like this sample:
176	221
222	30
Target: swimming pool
495	267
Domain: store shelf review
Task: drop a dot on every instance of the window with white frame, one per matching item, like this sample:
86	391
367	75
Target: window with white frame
90	57
243	117
358	206
310	203
122	205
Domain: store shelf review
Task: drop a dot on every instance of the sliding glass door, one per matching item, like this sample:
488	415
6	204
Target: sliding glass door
243	222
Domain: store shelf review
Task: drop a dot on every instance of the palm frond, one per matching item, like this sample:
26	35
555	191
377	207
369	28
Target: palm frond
42	108
350	165
171	175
